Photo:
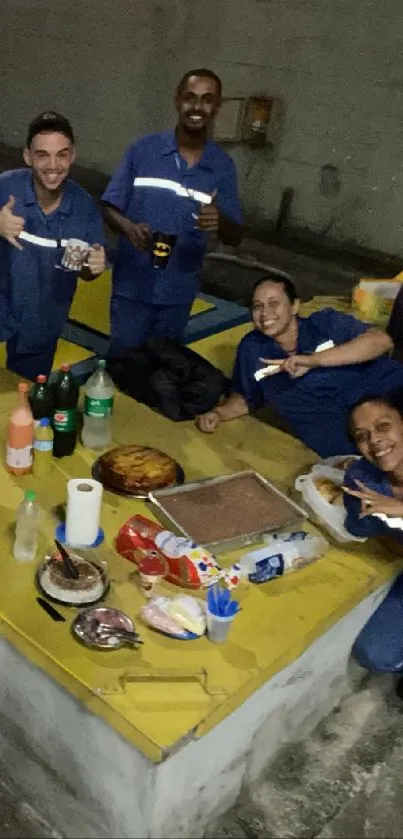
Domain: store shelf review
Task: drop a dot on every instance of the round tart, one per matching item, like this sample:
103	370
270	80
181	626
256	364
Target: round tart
136	469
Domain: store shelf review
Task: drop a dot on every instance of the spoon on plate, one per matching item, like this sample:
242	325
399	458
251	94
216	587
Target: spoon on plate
101	632
70	569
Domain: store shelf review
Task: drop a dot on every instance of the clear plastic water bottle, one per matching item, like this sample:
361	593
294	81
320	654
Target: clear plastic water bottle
27	528
98	409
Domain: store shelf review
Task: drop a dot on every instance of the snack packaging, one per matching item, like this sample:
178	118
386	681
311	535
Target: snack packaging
187	564
136	538
267	568
373	299
155	616
183	616
283	552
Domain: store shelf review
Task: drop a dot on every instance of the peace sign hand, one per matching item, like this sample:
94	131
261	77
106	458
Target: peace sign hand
374	502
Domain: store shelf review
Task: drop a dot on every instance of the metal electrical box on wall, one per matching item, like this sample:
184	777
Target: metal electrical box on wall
253	121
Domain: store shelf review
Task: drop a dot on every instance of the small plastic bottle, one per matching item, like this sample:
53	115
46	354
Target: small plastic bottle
43	449
27	528
98	408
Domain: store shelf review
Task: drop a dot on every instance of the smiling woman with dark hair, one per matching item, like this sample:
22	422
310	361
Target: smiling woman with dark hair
374	502
374	484
309	370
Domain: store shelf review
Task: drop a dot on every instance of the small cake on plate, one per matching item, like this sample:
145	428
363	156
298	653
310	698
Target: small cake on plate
89	587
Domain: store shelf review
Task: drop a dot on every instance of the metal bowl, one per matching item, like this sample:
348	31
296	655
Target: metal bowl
82	627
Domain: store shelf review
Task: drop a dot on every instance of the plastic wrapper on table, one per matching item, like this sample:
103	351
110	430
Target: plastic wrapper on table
182	617
283	552
321	490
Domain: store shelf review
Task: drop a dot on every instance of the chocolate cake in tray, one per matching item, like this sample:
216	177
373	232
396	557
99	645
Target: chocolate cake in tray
229	510
133	470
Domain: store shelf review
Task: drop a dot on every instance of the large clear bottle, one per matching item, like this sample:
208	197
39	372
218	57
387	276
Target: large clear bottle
27	528
98	409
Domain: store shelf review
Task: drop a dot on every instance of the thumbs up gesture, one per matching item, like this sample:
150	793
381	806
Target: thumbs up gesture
10	224
209	216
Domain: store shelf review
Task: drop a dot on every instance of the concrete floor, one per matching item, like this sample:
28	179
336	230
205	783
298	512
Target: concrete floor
344	782
17	819
347	779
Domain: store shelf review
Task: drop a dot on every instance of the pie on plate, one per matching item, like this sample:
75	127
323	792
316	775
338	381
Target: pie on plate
136	469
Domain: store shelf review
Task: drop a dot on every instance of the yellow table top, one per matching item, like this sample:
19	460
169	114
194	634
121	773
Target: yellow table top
66	353
91	303
156	696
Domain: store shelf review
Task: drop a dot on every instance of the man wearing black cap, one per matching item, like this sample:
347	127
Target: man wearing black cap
41	210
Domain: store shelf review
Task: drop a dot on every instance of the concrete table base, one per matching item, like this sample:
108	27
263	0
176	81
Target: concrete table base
88	781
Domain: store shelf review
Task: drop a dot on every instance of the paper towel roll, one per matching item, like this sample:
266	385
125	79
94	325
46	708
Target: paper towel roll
84	497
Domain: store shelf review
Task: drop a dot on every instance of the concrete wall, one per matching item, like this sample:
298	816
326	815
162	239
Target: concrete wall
337	65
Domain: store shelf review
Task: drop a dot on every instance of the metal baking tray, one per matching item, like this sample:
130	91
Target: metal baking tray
297	513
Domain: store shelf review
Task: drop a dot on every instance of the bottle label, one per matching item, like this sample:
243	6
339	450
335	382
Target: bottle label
43	445
98	407
20	458
64	420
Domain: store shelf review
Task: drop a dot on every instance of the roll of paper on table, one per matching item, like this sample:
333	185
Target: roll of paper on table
84	498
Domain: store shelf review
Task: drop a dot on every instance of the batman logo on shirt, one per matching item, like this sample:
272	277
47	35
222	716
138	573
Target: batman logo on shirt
161	249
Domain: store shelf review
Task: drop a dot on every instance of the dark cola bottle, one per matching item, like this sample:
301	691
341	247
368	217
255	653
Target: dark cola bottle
65	399
41	400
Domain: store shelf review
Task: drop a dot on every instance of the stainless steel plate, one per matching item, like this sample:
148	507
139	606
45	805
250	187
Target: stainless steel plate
82	627
95	473
296	513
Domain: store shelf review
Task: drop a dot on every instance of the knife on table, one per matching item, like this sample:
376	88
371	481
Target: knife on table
51	611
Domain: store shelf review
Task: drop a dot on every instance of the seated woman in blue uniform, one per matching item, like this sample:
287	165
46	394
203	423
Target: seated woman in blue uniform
373	497
316	368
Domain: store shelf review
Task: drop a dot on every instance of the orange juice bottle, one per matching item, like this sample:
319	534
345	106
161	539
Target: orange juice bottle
20	435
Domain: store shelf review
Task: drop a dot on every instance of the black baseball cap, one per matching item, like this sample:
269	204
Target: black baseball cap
49	121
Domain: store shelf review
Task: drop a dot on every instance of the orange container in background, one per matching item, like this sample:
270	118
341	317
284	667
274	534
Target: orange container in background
20	435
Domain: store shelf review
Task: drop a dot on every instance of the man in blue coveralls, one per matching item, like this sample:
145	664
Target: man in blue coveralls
179	183
41	209
317	368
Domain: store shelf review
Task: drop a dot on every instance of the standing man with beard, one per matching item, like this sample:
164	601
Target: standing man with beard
179	183
41	209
